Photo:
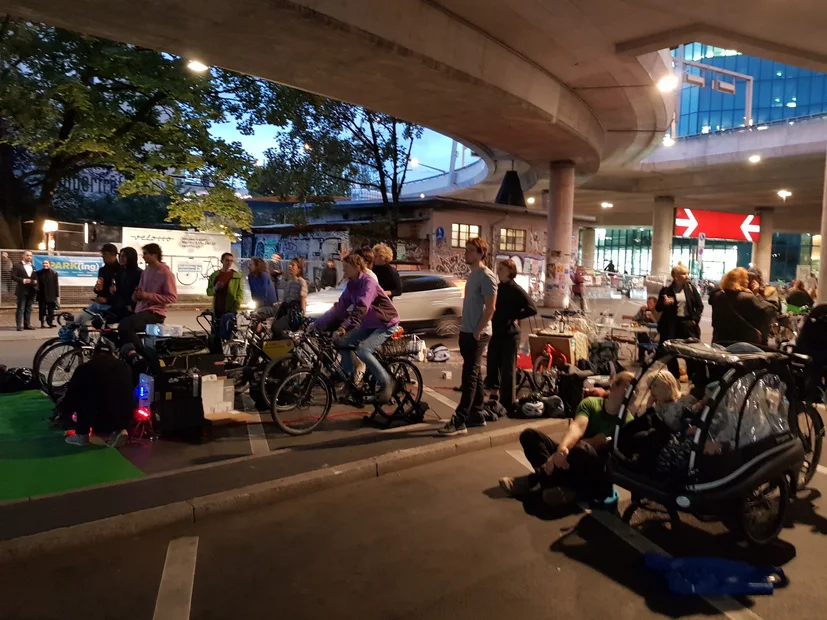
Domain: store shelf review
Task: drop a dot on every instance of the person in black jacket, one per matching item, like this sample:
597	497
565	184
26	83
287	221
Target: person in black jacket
330	277
23	274
513	304
386	273
738	315
680	306
126	281
48	294
103	290
799	297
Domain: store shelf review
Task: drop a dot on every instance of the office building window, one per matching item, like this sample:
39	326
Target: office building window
512	240
461	233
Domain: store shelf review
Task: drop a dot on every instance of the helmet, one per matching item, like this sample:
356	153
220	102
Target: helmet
439	353
533	409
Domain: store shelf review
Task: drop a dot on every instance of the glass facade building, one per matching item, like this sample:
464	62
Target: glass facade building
781	92
630	249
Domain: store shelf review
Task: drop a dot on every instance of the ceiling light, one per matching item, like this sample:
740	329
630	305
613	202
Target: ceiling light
754	159
668	140
422	195
706	129
784	194
198	67
530	200
307	147
606	205
762	127
668	83
791	104
778	73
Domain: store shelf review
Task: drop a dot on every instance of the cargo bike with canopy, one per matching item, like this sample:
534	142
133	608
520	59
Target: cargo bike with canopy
729	449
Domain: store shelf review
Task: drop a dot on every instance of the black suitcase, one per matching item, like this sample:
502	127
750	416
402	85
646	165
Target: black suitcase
177	407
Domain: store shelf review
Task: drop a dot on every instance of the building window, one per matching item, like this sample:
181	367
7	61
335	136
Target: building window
461	233
512	240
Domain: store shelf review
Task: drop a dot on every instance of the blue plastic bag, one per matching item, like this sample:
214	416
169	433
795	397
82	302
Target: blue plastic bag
706	576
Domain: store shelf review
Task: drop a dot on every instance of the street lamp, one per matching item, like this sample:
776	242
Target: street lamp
668	83
50	227
415	163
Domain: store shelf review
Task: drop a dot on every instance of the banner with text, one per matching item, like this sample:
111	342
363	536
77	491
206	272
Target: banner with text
72	270
192	256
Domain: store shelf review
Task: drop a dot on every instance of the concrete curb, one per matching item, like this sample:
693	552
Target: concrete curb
256	495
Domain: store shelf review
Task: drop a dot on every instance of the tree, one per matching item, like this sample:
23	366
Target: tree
330	146
70	102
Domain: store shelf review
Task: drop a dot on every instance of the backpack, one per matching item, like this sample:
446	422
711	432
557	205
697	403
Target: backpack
604	357
438	353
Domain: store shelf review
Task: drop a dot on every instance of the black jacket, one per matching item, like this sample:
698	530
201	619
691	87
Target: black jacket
513	304
126	281
103	391
329	277
48	288
738	316
18	274
800	298
670	325
389	279
106	278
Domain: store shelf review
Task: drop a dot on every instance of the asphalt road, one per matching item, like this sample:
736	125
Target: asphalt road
437	541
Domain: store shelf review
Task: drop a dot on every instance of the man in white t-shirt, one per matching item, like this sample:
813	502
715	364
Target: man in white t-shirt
24	275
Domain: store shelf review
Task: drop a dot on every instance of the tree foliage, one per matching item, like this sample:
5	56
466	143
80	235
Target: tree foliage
70	102
330	146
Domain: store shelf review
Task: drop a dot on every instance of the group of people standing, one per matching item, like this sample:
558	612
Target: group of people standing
30	285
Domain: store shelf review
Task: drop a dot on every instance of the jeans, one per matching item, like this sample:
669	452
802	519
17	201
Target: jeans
502	366
85	318
365	341
24	307
472	399
587	474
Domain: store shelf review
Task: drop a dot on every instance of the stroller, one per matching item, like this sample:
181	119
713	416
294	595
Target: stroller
732	451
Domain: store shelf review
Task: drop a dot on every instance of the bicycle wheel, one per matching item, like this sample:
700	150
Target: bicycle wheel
811	430
301	402
63	369
42	349
47	359
274	374
545	375
408	387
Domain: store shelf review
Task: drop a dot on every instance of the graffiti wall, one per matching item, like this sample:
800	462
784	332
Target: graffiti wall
530	272
405	250
445	259
314	247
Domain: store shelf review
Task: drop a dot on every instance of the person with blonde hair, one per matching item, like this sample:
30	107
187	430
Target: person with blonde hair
737	314
386	273
680	306
666	394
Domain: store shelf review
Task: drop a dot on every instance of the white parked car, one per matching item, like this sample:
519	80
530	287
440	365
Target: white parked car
428	301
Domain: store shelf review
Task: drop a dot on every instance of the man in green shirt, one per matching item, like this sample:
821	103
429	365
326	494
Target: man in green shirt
577	465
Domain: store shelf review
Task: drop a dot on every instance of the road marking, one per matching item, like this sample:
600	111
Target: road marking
422	426
443	399
258	438
175	592
821	469
727	605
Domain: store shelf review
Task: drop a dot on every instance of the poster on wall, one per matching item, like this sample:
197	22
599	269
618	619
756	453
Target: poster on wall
72	270
192	256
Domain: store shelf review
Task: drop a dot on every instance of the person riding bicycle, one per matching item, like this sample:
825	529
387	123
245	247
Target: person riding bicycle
368	318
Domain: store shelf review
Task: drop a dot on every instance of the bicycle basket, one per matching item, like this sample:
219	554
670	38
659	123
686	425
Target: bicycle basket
407	345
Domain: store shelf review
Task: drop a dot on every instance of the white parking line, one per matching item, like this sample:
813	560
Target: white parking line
175	592
821	469
258	438
443	399
727	605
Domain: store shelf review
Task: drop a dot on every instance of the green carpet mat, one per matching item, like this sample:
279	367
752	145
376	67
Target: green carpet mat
34	459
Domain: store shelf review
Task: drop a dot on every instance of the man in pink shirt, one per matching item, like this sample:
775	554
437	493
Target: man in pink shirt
155	292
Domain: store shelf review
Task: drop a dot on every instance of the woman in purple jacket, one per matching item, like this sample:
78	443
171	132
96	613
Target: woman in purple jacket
368	318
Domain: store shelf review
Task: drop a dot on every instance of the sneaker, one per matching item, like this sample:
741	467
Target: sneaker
475	422
381	397
558	496
452	428
30	327
118	439
77	440
515	487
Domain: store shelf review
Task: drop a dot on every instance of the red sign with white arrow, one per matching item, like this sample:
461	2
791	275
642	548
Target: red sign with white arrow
690	223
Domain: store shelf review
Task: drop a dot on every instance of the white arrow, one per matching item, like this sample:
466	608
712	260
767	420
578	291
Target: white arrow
691	223
747	227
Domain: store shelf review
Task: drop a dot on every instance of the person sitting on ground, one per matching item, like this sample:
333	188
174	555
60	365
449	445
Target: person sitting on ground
577	466
107	276
126	281
386	274
737	314
329	277
799	298
368	318
262	289
102	395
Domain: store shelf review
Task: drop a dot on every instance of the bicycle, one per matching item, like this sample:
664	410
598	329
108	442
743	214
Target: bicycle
303	400
811	384
67	363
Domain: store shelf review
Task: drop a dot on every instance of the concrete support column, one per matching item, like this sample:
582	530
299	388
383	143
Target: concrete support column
822	279
762	249
663	226
587	245
560	220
